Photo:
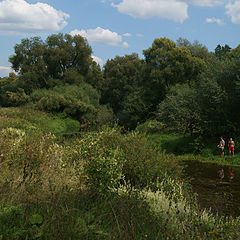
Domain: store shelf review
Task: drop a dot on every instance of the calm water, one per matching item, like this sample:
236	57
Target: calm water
222	196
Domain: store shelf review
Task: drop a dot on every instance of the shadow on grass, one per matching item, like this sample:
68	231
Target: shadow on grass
79	215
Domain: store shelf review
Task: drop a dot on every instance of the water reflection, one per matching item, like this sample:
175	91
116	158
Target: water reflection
231	174
217	188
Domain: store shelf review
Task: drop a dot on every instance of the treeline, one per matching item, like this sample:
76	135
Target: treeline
180	85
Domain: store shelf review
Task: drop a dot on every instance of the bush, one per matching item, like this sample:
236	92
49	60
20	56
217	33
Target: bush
103	167
11	223
151	126
142	165
172	143
17	98
72	101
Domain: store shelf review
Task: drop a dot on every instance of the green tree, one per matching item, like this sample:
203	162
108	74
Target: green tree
167	65
95	76
196	109
67	52
229	79
62	57
196	48
121	77
221	51
170	64
28	61
180	110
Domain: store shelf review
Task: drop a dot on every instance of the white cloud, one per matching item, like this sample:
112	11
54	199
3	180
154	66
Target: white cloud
233	10
168	9
125	45
127	34
214	20
18	16
205	3
101	36
98	60
139	35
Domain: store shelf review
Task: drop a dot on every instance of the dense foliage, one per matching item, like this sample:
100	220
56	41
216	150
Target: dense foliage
101	185
68	171
181	85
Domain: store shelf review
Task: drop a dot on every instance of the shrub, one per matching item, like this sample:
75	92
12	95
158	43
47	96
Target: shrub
11	223
17	98
142	165
70	100
103	167
151	126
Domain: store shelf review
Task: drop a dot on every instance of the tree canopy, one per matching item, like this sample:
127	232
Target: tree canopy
181	84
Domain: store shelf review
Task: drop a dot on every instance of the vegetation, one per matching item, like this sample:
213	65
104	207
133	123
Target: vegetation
91	153
112	189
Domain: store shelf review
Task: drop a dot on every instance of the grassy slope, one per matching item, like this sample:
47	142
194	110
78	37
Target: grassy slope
31	120
184	148
54	203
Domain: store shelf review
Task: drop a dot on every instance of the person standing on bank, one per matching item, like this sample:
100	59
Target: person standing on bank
221	145
231	146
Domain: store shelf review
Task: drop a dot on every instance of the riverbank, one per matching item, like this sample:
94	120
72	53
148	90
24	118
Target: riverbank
186	149
98	185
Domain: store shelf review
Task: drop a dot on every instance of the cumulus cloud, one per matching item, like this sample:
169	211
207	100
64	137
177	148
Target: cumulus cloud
168	9
98	60
139	35
101	36
233	10
18	16
127	34
214	20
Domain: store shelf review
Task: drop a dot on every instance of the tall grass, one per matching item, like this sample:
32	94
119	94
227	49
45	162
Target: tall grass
103	185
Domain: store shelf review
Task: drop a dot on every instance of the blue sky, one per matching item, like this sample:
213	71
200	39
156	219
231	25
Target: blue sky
119	27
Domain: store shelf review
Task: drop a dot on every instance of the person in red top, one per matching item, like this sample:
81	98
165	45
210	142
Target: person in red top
231	146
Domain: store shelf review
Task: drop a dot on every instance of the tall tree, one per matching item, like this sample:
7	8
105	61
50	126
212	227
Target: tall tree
38	62
167	65
121	77
221	51
229	80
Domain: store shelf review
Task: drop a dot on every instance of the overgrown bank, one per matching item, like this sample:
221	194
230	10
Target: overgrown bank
101	185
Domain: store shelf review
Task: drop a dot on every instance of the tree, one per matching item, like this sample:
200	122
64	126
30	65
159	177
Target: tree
196	109
121	77
180	110
196	48
229	79
95	76
167	65
29	62
67	52
38	62
221	51
211	98
171	64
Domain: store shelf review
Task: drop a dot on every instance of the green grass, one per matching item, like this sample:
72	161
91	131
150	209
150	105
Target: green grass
31	120
46	186
174	143
183	147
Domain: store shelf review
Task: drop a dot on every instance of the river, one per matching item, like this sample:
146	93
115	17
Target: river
222	196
